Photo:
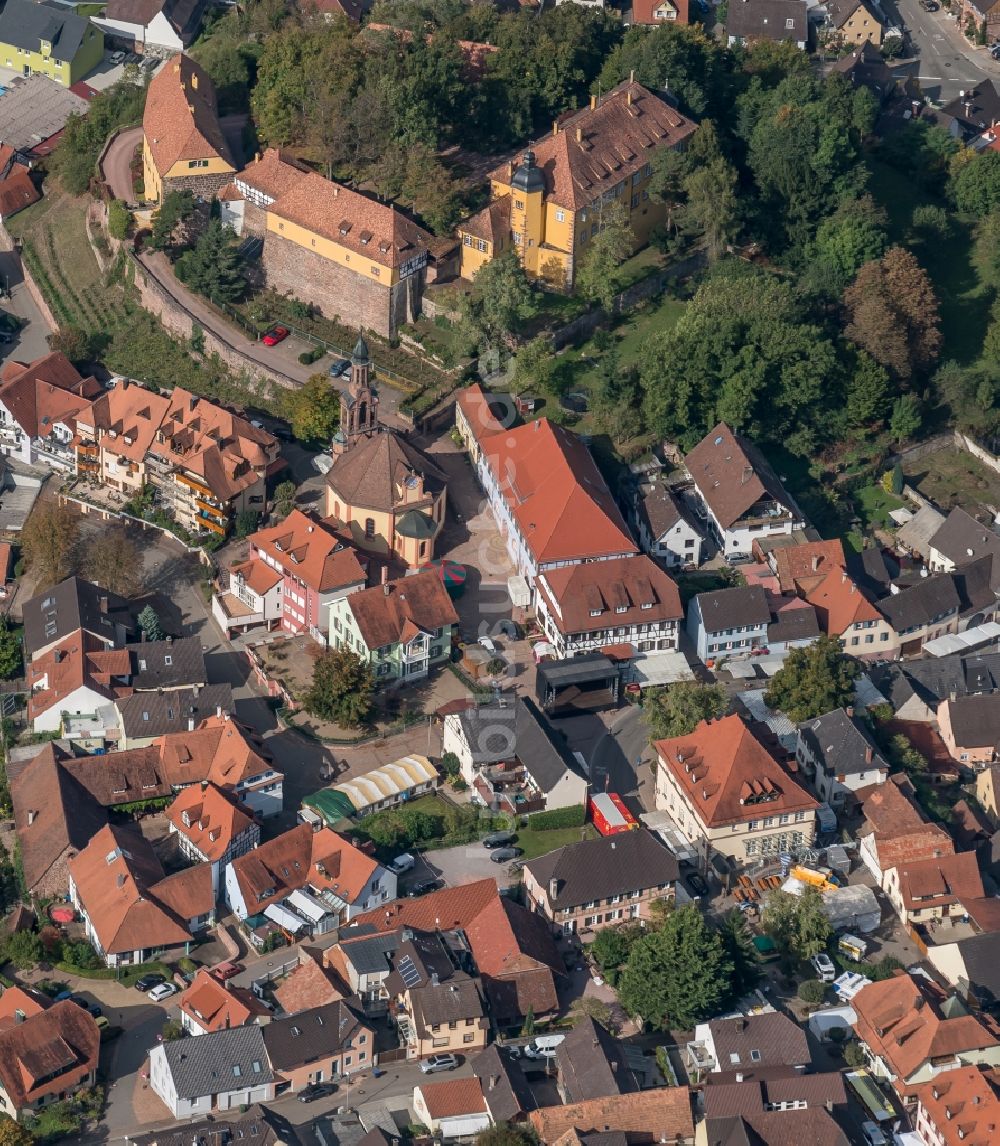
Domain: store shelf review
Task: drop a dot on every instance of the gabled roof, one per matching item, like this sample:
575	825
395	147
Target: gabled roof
308	551
839	603
475	406
26	25
212	1005
314	1034
184	16
73	604
594	148
181	120
127	416
729	776
492	223
624	591
505	1088
151	714
51	1052
556	494
40	393
733	608
769	1039
272	173
166	664
603	867
452	1097
768	20
374	472
730	473
929	601
940	881
975	720
592	1063
794	563
901	832
963	1106
209	818
233	1059
79	661
396	611
841	741
658	1115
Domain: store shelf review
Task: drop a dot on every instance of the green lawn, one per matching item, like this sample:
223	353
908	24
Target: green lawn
535	844
964	298
873	504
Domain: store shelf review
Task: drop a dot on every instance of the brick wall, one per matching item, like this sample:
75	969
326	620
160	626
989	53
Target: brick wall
338	292
204	186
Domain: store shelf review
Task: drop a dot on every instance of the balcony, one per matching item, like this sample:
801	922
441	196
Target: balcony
204	522
211	510
193	483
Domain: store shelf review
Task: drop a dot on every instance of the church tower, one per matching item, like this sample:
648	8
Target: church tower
358	403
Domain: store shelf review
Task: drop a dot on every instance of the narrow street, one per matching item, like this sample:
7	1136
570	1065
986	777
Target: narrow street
944	61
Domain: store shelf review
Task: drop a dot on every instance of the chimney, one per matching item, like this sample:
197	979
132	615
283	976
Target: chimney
435	980
553	887
31	817
190	724
631	76
579	135
628	98
868	755
815	562
593	102
849	710
104	602
555	127
385	574
125	382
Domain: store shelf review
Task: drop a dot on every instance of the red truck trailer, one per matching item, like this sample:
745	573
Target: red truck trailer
610	815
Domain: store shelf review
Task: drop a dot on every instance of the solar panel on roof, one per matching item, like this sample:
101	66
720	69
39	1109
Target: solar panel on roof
408	972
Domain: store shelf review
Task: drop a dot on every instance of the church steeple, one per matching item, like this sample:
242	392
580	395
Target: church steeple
358	403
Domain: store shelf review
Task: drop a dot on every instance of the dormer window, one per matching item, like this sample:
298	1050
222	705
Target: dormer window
646	605
621	608
595	612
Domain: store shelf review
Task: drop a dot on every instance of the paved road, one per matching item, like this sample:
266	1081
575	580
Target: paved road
619	762
946	62
117	164
30	342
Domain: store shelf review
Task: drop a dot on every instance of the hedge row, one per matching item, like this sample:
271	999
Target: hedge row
572	817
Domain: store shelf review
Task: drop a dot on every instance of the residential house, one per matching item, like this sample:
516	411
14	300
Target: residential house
47	1054
781	21
665	527
799	567
916	689
146	716
57	613
389	497
212	826
583	887
325	1043
308	985
865	67
729	622
549	500
752	1042
657	12
960	539
510	755
255	188
384	787
847	615
183	145
507	1092
114	436
988	790
259	1125
853	22
738	493
928	892
452	1108
362	962
895	831
961	1106
600	154
74	687
631	601
18	190
478	415
153	27
592	1063
773	1089
974	109
293	573
307	881
131	911
436	1007
912	1033
39	402
510	947
349	255
970	727
662	1114
923	612
402	628
220	1071
209	1005
50	40
794	625
761	1122
838	754
729	796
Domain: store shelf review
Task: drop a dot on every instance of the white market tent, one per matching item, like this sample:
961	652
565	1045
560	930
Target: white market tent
649	669
961	642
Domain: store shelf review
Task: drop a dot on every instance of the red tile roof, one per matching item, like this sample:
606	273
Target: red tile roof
209	818
940	882
40	393
839	603
732	476
272	173
633	584
77	662
475	406
660	1115
453	1096
181	119
211	1006
449	908
963	1106
815	559
728	775
398	610
901	832
50	1053
646	12
17	191
309	551
556	494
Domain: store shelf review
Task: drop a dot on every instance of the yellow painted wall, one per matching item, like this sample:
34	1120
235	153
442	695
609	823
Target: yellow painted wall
324	247
211	165
472	257
862	26
150	176
88	56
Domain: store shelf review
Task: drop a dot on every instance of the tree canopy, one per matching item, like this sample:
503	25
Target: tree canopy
797	923
813	681
313	409
342	689
677	709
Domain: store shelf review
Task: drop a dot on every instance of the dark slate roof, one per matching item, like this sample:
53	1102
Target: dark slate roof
799	624
258	1125
591	1063
661	510
732	608
609	865
975	721
147	714
842	742
505	1088
981	955
75	604
24	25
929	600
768	20
770	1086
938	678
961	537
577	670
370	954
167	664
865	67
451	1001
977	111
872	570
977	583
770	1039
313	1034
496	733
219	1061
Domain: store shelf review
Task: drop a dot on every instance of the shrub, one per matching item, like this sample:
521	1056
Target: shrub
118	219
308	357
853	1054
572	817
812	991
186	966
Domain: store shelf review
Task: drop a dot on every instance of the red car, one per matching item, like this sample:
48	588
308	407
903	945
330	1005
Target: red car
226	971
275	335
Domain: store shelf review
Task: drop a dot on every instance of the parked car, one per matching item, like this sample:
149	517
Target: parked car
504	855
275	335
695	882
117	57
824	967
147	982
95	1009
543	1047
873	1134
79	1000
339	367
489	644
498	839
163	991
438	1062
738	558
62	996
402	863
317	1090
929	5
225	971
423	887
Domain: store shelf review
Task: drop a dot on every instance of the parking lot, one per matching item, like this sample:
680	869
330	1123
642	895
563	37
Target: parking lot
459	865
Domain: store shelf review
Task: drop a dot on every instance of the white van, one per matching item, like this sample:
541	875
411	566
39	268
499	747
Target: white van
543	1047
402	863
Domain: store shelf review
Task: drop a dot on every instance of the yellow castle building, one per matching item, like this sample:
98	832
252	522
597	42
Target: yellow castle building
552	203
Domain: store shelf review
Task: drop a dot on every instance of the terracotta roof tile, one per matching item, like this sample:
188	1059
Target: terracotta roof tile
187	893
77	662
211	1005
181	120
49	1053
272	173
728	775
814	559
40	393
645	11
475	406
839	603
307	550
453	1096
492	223
556	494
963	1106
306	987
451	907
941	881
901	832
127	418
382	613
17	191
647	594
209	818
661	1115
596	148
376	230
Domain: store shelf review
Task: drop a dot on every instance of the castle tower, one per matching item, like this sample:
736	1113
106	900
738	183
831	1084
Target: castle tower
358	403
527	212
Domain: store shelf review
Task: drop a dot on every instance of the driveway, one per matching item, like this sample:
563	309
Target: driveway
31	341
117	164
619	761
460	865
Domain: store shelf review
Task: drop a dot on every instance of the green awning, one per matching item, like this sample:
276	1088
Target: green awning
332	805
